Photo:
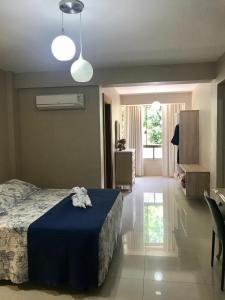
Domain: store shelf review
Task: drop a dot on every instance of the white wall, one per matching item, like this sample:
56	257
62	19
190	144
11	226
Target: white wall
204	99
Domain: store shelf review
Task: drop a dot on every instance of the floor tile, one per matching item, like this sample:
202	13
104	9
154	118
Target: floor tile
174	269
34	294
129	289
7	292
133	266
174	291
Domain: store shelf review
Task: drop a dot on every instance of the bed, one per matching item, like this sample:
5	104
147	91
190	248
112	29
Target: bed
23	204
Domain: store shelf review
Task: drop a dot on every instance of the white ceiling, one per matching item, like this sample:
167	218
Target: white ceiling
154	89
116	33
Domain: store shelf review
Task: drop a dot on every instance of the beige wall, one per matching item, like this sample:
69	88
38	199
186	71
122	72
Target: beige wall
205	100
161	97
152	167
4	134
60	148
125	75
7	139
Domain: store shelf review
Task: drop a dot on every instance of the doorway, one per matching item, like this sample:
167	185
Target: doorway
107	141
220	135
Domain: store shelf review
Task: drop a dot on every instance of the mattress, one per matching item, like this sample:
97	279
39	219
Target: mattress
14	227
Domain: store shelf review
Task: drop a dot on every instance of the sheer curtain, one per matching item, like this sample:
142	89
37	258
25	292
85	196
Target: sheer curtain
133	134
169	120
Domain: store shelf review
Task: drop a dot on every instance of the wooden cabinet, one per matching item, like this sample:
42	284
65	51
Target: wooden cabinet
197	180
125	167
189	137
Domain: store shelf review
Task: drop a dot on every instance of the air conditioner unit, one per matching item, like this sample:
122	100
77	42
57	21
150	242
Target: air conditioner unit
53	102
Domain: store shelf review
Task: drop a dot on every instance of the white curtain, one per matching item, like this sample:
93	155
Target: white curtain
169	120
133	134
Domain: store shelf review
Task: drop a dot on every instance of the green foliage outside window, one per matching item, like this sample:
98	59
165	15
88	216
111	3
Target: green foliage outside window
152	125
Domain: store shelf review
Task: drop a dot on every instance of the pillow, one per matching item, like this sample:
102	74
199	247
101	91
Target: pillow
6	202
17	189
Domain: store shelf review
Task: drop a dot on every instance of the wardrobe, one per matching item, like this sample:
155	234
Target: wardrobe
197	178
189	137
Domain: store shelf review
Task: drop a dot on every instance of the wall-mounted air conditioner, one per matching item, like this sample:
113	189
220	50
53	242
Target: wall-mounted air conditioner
53	102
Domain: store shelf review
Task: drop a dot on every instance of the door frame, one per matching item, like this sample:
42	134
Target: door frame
107	142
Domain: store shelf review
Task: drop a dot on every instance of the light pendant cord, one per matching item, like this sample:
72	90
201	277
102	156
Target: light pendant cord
63	31
81	43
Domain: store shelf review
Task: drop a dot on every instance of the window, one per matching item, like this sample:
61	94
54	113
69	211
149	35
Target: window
152	131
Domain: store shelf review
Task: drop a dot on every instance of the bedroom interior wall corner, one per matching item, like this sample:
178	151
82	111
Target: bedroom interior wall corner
7	150
13	125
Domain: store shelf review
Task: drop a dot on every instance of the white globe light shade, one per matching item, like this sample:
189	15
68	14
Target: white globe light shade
63	48
156	105
81	70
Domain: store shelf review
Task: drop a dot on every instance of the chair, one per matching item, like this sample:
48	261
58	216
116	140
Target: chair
218	229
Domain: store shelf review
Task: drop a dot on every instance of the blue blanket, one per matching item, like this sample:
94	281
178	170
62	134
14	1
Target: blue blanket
63	243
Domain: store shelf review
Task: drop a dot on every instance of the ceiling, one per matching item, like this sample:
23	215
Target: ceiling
155	89
116	33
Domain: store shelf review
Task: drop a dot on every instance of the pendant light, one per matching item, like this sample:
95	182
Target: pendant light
155	105
81	70
71	6
63	48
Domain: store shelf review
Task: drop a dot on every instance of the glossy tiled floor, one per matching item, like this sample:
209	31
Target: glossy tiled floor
164	252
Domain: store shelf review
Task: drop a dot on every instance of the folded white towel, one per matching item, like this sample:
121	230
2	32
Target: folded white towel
87	198
76	190
88	201
80	197
78	202
84	191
